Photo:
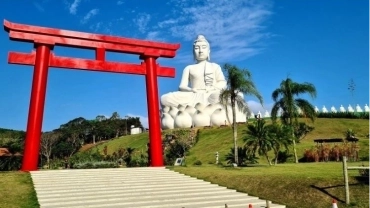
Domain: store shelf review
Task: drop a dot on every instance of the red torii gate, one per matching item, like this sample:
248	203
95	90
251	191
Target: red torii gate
45	39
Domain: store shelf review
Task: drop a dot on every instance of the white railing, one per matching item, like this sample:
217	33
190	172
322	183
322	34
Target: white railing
345	174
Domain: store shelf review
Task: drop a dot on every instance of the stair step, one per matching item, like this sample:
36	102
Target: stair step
133	187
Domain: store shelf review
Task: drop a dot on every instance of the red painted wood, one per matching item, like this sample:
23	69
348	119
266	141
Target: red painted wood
88	44
89	40
46	38
153	112
88	64
100	54
36	109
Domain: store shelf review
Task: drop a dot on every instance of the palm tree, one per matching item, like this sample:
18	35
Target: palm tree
239	81
281	137
286	100
258	139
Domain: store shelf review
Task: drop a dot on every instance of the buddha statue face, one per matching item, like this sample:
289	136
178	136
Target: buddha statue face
201	49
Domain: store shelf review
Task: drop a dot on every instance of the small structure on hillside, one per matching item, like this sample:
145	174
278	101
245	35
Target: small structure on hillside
136	130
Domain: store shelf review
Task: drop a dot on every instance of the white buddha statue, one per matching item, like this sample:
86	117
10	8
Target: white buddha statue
358	109
324	110
201	82
317	109
267	114
333	110
199	92
366	108
350	109
342	109
252	115
259	114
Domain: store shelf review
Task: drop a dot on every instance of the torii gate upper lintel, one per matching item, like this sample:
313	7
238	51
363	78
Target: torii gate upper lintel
42	58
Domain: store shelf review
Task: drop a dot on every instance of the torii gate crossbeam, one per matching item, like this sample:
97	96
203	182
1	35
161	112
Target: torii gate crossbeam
44	39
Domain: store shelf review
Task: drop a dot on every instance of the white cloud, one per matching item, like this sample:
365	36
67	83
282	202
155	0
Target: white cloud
38	7
256	107
154	36
90	14
235	29
168	22
142	21
73	6
96	26
120	2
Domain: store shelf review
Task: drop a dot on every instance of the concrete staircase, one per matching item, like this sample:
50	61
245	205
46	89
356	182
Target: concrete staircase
134	187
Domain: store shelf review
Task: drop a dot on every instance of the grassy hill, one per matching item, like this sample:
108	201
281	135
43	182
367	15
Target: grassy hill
220	139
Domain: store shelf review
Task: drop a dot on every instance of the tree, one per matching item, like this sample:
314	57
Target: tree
178	142
48	140
257	138
100	118
115	116
239	82
286	100
280	137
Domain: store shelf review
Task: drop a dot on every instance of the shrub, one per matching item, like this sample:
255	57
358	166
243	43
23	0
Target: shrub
326	152
197	162
364	158
141	161
9	163
95	165
244	156
364	173
283	156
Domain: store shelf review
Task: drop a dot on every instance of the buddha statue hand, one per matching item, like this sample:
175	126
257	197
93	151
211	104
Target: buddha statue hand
210	89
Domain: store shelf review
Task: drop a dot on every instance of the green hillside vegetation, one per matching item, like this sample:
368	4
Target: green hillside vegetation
220	140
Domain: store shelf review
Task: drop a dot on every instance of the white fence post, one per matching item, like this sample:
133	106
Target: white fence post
345	173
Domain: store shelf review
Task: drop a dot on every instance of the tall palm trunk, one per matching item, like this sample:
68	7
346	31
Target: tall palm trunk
267	158
276	152
293	140
294	150
235	131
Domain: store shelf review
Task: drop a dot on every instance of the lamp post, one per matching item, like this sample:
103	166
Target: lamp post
126	117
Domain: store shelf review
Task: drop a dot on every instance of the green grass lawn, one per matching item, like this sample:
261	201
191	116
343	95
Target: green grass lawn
16	190
304	185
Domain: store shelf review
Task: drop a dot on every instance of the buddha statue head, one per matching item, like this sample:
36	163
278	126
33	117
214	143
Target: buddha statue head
201	49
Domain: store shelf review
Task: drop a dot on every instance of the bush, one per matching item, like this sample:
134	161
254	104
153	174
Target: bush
364	158
9	163
364	173
141	161
354	115
95	165
197	162
87	156
326	152
244	157
283	156
56	164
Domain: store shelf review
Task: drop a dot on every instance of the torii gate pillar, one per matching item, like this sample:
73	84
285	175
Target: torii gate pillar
45	39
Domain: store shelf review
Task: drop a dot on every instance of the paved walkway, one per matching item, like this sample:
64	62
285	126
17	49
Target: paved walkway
134	187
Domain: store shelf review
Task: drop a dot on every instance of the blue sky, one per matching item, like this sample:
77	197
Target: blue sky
325	43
